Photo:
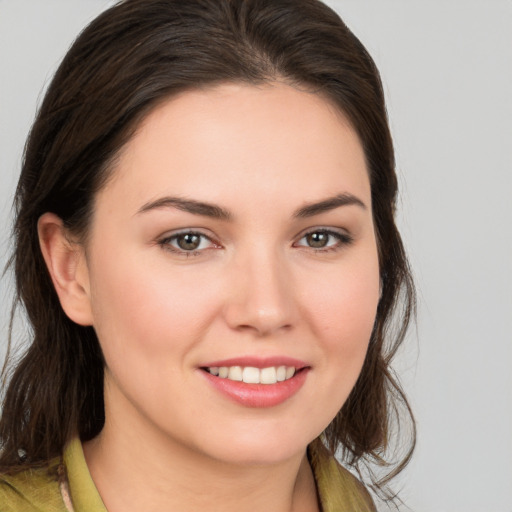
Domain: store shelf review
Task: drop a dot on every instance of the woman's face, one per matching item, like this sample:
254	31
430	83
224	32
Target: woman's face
235	237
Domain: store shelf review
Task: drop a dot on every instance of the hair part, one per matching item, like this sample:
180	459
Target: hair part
131	58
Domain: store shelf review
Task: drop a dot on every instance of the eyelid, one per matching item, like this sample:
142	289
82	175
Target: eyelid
343	236
164	241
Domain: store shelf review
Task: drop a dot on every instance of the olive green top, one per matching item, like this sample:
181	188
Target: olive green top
66	485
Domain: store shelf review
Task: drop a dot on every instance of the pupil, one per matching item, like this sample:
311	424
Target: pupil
317	239
188	242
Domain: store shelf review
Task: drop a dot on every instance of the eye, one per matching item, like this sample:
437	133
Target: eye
188	242
324	240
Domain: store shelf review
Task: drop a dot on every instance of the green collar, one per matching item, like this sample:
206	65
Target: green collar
84	495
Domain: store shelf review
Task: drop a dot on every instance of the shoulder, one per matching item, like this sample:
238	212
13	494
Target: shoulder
338	489
32	490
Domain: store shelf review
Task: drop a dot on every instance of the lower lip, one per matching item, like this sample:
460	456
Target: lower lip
258	395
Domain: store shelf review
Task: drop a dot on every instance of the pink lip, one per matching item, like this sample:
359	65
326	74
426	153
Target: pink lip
258	395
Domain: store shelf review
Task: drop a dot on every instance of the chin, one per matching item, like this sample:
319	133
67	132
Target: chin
258	446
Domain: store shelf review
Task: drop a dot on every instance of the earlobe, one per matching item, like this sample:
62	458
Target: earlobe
67	266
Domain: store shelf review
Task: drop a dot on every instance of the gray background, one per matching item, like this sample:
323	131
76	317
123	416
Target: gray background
447	69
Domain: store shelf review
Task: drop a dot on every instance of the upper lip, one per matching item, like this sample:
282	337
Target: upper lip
257	362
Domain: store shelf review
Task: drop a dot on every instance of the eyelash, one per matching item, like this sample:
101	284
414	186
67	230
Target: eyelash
165	243
343	240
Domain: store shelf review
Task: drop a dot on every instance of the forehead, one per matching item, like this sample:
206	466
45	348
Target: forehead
234	139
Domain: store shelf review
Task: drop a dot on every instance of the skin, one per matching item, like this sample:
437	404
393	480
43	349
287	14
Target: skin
255	287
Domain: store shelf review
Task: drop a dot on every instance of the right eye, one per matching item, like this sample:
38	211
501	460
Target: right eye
187	243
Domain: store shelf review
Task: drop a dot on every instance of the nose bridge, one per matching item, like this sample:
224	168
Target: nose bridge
262	294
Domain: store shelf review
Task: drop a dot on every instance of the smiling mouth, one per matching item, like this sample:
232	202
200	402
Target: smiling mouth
252	375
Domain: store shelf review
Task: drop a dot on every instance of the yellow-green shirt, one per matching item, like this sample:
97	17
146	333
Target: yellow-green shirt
66	485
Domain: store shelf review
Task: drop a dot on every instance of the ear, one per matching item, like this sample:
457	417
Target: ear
67	266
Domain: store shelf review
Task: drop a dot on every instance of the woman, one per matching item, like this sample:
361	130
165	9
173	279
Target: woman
206	250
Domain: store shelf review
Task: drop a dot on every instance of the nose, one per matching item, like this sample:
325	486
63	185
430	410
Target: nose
261	298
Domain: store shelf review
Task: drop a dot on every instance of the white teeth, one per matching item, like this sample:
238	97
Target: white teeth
235	373
251	375
290	372
268	375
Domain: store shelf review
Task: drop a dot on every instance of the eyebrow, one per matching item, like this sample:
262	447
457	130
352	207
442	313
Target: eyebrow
188	205
217	212
328	204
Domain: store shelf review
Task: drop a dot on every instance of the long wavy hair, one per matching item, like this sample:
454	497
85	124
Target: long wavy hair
131	58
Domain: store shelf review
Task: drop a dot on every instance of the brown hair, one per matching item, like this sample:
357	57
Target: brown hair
133	56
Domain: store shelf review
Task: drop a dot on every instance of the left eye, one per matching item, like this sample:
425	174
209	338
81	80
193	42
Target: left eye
323	239
187	242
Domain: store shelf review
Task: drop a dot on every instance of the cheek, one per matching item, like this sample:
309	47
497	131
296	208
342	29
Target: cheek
342	312
345	309
344	316
149	323
150	308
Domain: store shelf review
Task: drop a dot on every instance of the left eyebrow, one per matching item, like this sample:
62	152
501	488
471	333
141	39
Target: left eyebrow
328	204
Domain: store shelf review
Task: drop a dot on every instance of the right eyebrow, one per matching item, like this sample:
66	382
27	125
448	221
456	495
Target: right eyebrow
188	205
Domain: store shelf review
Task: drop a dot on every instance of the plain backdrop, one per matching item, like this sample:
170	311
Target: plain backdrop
447	70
